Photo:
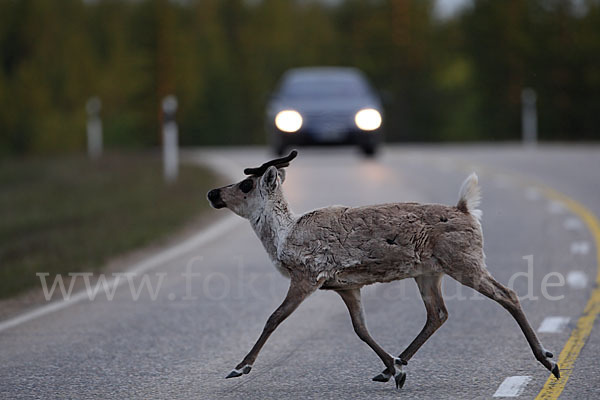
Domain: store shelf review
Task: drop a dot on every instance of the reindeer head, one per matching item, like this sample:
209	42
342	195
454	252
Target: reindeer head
250	195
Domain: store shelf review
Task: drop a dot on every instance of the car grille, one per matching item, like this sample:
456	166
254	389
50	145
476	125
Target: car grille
327	125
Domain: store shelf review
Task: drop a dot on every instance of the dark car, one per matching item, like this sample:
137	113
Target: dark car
324	105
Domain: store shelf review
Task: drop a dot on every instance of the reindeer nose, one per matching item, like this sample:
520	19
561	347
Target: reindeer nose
214	195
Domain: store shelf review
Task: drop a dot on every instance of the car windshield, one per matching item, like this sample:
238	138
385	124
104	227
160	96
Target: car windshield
324	86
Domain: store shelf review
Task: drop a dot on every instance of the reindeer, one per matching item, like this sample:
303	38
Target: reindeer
345	248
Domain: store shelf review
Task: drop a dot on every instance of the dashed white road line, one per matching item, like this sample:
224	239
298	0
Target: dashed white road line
572	224
532	194
577	279
580	248
556	207
512	386
553	324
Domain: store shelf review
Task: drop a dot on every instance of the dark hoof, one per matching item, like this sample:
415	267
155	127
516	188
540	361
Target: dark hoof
233	374
556	371
549	355
382	378
236	372
400	379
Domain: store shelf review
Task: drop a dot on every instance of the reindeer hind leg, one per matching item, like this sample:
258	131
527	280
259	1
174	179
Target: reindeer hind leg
485	284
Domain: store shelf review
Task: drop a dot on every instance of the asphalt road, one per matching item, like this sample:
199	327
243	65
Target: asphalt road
182	343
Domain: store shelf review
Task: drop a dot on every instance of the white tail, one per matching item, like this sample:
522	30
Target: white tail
469	196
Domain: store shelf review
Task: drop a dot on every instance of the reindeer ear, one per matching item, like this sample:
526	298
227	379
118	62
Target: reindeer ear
269	178
281	173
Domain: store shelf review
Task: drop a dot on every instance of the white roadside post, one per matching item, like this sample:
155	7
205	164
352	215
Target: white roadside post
94	127
170	139
529	116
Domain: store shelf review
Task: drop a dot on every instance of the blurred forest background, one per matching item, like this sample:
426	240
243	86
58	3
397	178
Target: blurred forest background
453	78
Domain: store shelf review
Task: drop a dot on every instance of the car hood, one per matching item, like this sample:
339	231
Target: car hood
324	105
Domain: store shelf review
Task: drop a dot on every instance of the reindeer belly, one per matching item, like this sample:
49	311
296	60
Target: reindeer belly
367	274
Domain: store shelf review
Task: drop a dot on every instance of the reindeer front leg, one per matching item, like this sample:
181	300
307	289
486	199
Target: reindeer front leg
298	291
352	300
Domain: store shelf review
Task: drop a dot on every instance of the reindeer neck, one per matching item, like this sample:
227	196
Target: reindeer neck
272	224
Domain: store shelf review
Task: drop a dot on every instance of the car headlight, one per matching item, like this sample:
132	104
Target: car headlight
288	121
368	119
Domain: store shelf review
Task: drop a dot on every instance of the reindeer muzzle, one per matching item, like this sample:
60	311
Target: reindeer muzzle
215	200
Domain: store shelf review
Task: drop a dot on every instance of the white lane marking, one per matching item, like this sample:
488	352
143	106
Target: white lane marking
214	231
577	279
532	194
553	324
555	207
572	224
580	248
512	386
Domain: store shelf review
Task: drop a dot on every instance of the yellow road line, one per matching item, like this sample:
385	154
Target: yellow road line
566	360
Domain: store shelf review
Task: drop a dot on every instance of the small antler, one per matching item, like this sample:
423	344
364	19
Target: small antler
278	162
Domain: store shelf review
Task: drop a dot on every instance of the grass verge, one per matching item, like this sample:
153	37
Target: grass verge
69	214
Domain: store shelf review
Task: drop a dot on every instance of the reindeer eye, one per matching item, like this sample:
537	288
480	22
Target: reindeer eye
246	185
